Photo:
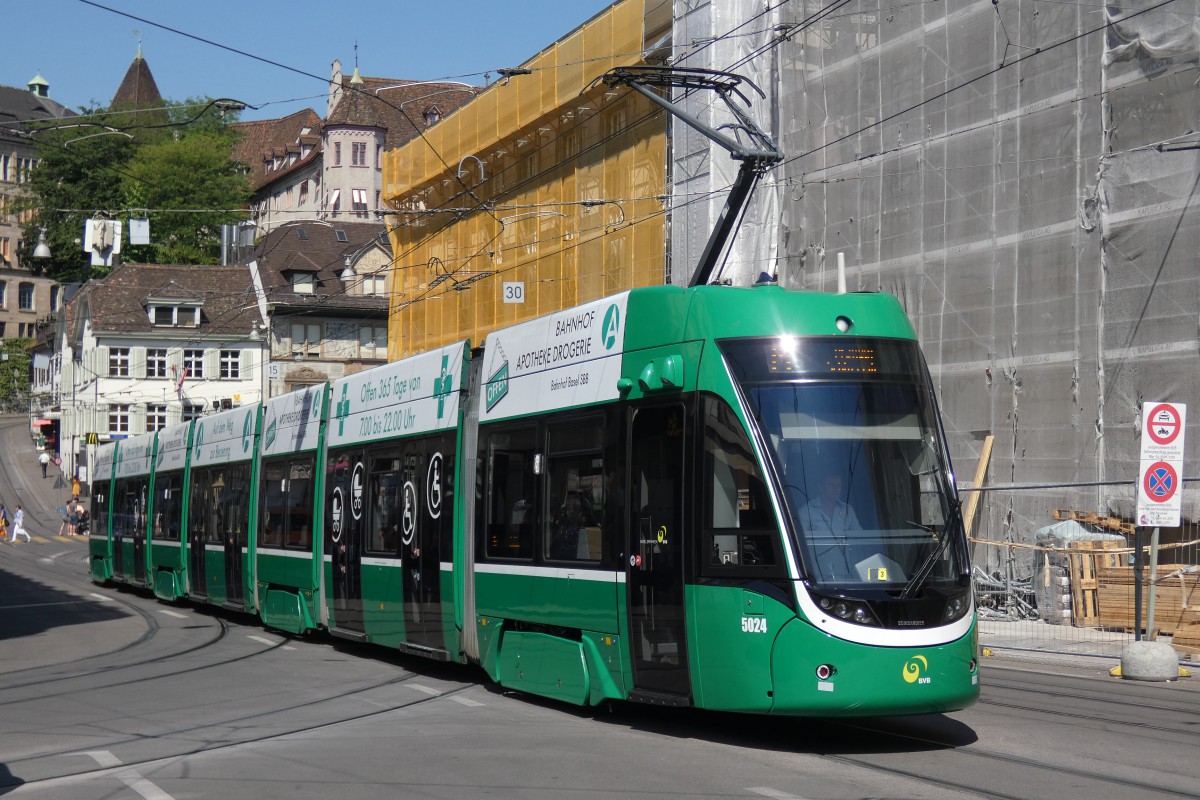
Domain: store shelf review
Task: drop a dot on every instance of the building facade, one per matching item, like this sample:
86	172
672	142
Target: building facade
554	194
1024	179
25	296
306	167
325	297
152	345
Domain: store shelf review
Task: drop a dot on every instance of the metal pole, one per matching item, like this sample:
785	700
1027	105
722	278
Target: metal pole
1137	584
1151	634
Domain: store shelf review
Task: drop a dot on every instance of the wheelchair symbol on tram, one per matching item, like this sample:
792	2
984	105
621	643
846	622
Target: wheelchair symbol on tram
408	519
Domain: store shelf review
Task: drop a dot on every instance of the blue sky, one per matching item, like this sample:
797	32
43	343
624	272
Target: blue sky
83	50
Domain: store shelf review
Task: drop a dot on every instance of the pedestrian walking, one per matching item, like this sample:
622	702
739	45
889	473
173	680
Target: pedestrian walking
19	526
75	486
3	522
44	460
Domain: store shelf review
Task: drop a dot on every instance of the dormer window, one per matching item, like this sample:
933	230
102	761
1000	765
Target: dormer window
164	316
303	282
432	115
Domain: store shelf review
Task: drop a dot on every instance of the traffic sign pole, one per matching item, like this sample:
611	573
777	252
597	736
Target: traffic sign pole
1159	494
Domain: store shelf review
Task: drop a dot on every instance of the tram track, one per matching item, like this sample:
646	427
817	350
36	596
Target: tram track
1054	771
16	764
152	630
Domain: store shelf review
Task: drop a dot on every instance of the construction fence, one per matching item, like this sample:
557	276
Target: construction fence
1053	577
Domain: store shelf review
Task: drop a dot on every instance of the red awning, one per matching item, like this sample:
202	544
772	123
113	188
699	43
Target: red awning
37	423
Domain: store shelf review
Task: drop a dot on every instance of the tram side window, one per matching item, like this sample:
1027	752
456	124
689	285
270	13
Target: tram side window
204	505
99	512
168	511
130	515
575	467
383	531
232	503
740	530
300	503
274	514
512	510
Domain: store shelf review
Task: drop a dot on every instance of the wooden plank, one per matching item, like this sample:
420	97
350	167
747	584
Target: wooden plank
1187	640
980	475
1085	559
1176	600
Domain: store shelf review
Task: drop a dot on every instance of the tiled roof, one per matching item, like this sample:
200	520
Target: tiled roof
137	89
283	250
260	141
117	304
399	107
19	105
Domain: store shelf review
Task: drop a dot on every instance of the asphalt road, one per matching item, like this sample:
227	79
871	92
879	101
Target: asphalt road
110	694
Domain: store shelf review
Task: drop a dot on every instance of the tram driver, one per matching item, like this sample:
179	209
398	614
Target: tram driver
827	519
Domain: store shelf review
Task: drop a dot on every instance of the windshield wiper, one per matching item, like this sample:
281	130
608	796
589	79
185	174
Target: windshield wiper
935	555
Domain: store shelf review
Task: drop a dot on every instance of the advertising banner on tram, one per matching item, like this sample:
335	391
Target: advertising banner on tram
134	456
404	398
292	422
565	359
172	447
225	437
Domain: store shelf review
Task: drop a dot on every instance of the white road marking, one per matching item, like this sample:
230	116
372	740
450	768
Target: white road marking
425	689
130	777
767	791
466	701
170	613
142	786
101	597
263	640
103	757
287	647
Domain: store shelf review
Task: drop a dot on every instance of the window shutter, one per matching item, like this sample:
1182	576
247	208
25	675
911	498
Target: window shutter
137	362
137	419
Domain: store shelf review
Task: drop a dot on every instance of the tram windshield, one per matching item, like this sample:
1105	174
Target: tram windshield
852	430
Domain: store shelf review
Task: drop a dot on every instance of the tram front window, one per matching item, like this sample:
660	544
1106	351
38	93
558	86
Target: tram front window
853	434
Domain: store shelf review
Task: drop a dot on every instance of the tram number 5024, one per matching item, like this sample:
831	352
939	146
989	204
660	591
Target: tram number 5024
754	624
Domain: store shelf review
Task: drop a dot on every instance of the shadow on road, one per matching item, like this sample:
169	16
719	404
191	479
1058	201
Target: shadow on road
29	607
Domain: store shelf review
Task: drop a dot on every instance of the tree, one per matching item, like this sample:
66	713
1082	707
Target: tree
174	169
14	374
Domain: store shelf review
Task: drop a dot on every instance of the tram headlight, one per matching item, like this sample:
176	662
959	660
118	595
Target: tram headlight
957	607
845	609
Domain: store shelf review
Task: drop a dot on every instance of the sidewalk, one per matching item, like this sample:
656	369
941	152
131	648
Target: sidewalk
21	479
1036	642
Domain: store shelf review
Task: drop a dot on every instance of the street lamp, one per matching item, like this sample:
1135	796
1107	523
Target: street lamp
42	251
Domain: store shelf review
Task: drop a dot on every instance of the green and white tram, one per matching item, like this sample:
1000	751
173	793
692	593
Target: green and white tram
288	541
132	475
392	513
99	541
168	510
732	498
221	505
735	499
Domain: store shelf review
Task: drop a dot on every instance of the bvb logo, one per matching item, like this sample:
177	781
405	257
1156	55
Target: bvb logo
914	667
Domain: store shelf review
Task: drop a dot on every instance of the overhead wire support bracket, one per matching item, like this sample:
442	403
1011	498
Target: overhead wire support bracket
757	155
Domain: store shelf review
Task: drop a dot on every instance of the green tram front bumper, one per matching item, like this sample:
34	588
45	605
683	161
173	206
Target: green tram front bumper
870	680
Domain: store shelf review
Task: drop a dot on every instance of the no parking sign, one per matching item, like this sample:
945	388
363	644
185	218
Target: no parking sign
1160	489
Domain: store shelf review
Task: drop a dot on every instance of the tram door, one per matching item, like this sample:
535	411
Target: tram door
197	533
345	508
232	488
139	531
654	560
425	521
